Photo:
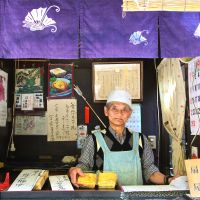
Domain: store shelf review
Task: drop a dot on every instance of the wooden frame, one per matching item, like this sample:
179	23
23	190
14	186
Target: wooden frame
107	76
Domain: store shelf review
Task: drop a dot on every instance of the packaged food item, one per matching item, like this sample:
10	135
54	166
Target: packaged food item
58	72
107	180
88	180
41	181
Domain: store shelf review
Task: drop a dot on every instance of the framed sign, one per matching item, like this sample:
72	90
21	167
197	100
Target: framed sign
60	82
122	75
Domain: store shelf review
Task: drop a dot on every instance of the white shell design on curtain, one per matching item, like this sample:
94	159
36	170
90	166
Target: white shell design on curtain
37	19
197	32
138	38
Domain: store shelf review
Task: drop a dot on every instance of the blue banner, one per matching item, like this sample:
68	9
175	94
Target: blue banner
50	29
104	33
179	34
40	29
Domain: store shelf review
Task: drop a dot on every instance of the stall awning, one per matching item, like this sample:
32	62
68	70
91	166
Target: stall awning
60	29
39	29
109	35
179	34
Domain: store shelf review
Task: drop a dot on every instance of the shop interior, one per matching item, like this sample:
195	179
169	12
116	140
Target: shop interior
85	46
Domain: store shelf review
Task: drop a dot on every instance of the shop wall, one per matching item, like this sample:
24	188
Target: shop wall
35	149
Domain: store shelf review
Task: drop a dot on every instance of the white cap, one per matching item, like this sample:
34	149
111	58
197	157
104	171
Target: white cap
120	96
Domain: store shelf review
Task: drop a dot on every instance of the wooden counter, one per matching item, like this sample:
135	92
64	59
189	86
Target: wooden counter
85	194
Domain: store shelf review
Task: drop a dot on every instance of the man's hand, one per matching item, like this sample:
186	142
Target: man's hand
172	178
74	173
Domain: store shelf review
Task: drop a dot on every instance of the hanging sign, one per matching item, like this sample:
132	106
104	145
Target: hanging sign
62	119
194	95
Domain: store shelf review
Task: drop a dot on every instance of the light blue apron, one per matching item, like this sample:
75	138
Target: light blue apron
126	164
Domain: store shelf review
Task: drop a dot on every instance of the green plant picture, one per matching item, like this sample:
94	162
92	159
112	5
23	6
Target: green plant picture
29	80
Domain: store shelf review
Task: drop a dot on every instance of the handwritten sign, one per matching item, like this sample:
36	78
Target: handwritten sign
27	102
194	89
193	173
62	119
26	180
60	182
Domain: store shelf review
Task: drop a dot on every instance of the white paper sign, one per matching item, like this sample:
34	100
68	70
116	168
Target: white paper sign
38	100
194	97
60	182
30	125
3	114
26	180
27	102
82	135
62	119
193	174
18	101
150	188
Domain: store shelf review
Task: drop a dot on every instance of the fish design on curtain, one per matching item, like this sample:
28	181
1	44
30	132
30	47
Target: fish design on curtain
138	38
104	33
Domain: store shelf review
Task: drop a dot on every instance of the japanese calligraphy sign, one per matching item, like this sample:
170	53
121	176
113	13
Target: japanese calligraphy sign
26	180
62	119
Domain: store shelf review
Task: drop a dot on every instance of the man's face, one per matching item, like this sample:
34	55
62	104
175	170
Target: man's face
117	113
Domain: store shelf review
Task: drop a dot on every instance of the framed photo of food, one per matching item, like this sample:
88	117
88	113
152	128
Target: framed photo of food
107	76
60	80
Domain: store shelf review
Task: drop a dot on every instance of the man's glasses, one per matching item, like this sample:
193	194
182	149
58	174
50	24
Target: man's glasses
116	110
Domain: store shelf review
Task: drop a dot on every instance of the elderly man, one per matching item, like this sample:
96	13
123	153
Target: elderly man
119	150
